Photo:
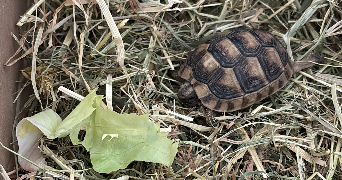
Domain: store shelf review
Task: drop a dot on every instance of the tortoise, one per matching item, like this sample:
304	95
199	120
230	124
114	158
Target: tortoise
237	68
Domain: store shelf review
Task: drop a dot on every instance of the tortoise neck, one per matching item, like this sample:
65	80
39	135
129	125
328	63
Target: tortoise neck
298	66
308	61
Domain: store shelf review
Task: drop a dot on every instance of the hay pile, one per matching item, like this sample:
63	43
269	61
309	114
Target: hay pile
293	134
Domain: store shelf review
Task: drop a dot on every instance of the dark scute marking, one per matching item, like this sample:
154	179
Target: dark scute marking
196	84
259	97
271	90
201	76
287	75
284	57
181	70
230	106
194	58
240	45
190	59
280	83
206	99
223	60
256	32
190	79
216	75
245	102
218	105
223	92
272	71
248	83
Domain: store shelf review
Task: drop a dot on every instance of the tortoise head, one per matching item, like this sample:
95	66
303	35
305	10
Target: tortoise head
187	94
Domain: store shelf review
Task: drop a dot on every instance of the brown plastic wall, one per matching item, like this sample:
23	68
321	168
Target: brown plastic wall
10	12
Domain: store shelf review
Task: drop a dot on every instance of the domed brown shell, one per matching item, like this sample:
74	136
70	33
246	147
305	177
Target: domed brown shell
237	68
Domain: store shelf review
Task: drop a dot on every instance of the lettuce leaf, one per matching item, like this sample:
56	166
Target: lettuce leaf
113	140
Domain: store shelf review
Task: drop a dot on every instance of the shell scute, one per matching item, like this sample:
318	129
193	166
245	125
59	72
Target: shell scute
234	104
288	71
197	55
265	39
201	88
250	75
226	87
284	57
225	53
207	69
249	99
185	72
271	63
210	101
246	43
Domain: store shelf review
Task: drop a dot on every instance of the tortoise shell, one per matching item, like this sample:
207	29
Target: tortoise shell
237	68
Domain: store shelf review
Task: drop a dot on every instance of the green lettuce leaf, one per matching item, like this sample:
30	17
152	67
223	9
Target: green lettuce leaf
138	139
82	111
47	121
113	140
